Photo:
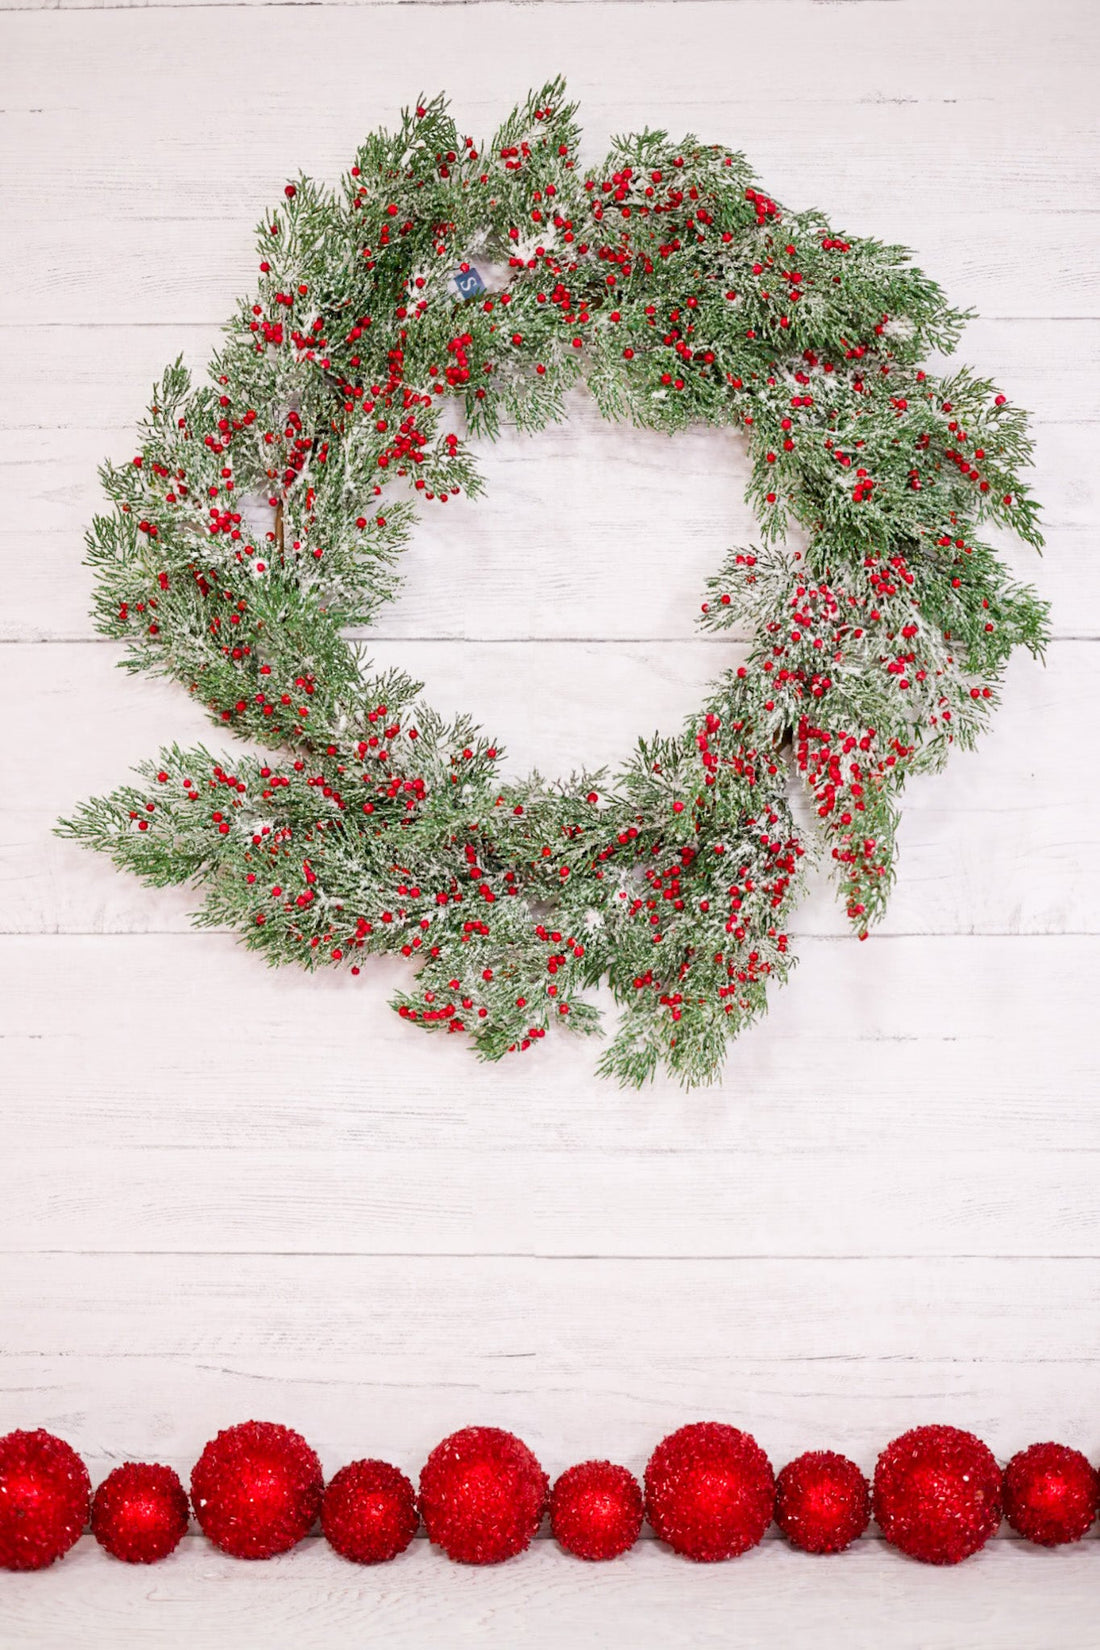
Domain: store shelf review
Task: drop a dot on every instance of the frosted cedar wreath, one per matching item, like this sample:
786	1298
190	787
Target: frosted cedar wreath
679	293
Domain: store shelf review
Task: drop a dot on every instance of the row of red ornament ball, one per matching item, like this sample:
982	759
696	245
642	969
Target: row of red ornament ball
709	1493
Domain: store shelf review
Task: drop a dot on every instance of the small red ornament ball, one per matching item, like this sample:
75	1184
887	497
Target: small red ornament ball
369	1512
822	1502
1051	1494
139	1512
256	1489
709	1491
596	1510
937	1494
44	1496
482	1495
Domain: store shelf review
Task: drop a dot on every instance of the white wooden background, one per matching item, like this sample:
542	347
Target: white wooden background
229	1193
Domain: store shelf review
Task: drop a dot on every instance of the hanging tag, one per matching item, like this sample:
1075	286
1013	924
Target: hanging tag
466	281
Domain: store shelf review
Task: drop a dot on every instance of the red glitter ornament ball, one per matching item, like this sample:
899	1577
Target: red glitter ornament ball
482	1495
369	1512
44	1495
822	1502
256	1489
709	1491
937	1494
596	1510
139	1512
1051	1494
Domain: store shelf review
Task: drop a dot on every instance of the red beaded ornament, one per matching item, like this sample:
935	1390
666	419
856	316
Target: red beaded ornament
256	1489
139	1512
1051	1494
44	1496
709	1491
482	1495
369	1512
822	1502
596	1510
937	1494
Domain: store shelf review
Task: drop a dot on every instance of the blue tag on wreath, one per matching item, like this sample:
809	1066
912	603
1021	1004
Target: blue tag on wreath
468	282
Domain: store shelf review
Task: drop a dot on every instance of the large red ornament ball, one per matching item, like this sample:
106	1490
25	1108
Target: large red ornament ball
256	1489
937	1494
709	1491
822	1502
482	1495
596	1510
369	1512
1051	1494
139	1512
44	1495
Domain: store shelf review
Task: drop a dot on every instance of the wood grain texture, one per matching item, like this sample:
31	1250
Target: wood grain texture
629	494
394	1403
379	1398
544	1202
386	1354
978	853
182	268
312	1600
231	1192
958	1045
98	378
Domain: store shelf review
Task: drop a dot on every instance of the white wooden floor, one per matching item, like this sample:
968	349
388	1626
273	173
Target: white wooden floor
230	1193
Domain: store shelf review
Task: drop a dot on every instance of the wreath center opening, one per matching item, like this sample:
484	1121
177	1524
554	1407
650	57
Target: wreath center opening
586	558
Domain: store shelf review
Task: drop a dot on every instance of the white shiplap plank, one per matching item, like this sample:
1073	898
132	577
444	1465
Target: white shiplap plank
635	60
99	378
1000	842
896	1048
1008	1598
184	244
454	1319
569	1406
188	270
576	1405
147	1355
586	530
778	127
551	1202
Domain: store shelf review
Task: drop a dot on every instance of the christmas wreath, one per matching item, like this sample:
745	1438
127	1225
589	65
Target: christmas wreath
265	512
